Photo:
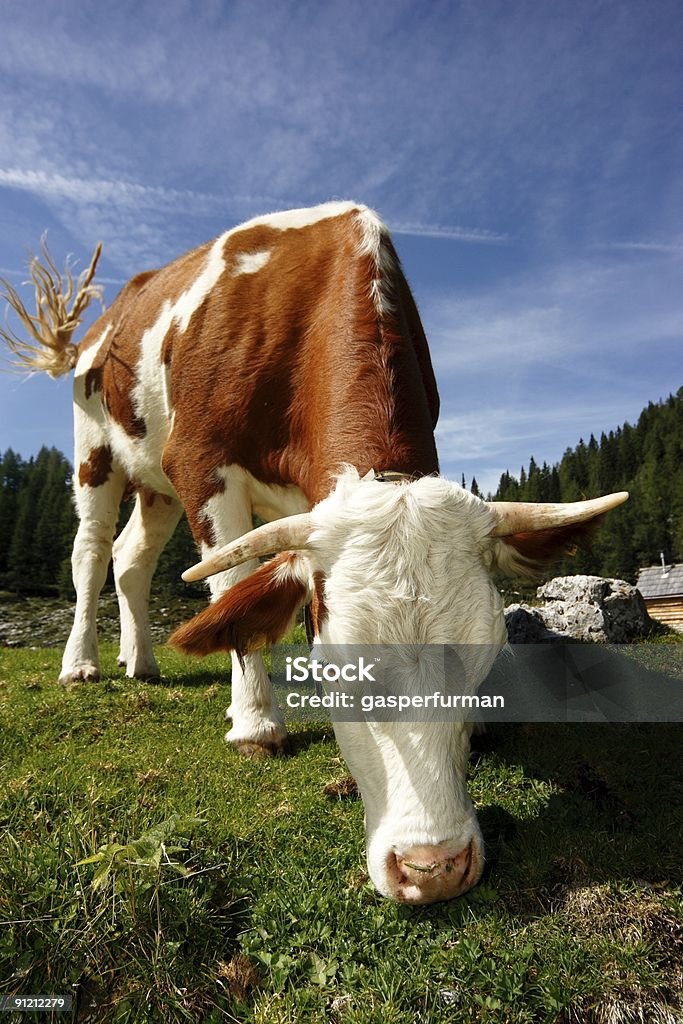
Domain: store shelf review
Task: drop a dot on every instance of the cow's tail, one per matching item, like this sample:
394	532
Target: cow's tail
61	302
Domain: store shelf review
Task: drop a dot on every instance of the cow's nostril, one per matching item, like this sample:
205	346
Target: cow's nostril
426	874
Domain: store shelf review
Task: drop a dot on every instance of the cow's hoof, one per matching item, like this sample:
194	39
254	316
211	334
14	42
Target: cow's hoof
84	674
144	668
258	737
260	750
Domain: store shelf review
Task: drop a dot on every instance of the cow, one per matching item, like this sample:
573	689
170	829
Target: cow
282	370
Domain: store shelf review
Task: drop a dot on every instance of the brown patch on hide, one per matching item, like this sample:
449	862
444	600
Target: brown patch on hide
96	470
256	611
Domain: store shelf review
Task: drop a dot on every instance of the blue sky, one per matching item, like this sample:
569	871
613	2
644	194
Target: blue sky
527	157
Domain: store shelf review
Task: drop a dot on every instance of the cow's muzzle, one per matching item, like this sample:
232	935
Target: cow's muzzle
427	874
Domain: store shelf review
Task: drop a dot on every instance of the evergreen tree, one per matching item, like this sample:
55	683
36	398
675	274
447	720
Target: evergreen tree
554	486
646	460
55	518
12	474
179	554
43	524
533	489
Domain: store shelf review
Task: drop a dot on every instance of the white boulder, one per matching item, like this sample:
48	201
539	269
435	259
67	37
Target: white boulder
587	608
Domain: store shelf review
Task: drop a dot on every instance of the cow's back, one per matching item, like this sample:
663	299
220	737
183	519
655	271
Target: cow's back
288	346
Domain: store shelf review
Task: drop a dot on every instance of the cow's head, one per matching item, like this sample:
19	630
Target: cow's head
406	563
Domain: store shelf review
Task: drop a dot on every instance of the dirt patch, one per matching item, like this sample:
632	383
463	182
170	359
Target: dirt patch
241	977
345	788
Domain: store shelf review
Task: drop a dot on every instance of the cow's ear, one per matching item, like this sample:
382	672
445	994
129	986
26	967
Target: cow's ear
256	611
528	554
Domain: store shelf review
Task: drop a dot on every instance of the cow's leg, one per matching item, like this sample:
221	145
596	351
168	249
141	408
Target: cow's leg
98	496
258	729
136	551
257	726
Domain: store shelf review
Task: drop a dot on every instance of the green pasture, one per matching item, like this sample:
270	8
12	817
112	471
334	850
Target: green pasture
154	875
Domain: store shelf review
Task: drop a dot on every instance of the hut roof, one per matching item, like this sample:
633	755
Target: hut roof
654	581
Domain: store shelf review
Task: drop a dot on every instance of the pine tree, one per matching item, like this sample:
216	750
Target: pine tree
22	563
43	524
12	474
533	489
53	510
179	554
646	460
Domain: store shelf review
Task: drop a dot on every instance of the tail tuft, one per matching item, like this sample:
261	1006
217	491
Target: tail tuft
60	305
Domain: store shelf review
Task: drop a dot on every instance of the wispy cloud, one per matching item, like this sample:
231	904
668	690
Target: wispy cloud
63	53
488	440
576	314
132	194
102	190
482	434
90	201
121	193
140	223
456	234
635	246
312	101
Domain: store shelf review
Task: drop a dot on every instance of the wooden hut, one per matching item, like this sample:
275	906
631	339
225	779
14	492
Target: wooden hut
662	590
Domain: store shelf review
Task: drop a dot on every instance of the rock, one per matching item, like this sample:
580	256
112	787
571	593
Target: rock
593	608
525	625
587	608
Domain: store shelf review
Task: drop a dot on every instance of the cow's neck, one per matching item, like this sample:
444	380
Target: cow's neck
366	423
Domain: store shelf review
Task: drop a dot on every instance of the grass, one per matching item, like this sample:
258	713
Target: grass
151	872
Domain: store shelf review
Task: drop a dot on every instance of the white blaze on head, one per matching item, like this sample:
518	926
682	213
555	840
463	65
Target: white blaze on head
408	564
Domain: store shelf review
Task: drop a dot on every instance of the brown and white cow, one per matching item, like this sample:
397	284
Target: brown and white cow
282	369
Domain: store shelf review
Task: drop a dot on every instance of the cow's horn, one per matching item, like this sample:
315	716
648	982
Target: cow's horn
286	534
528	517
